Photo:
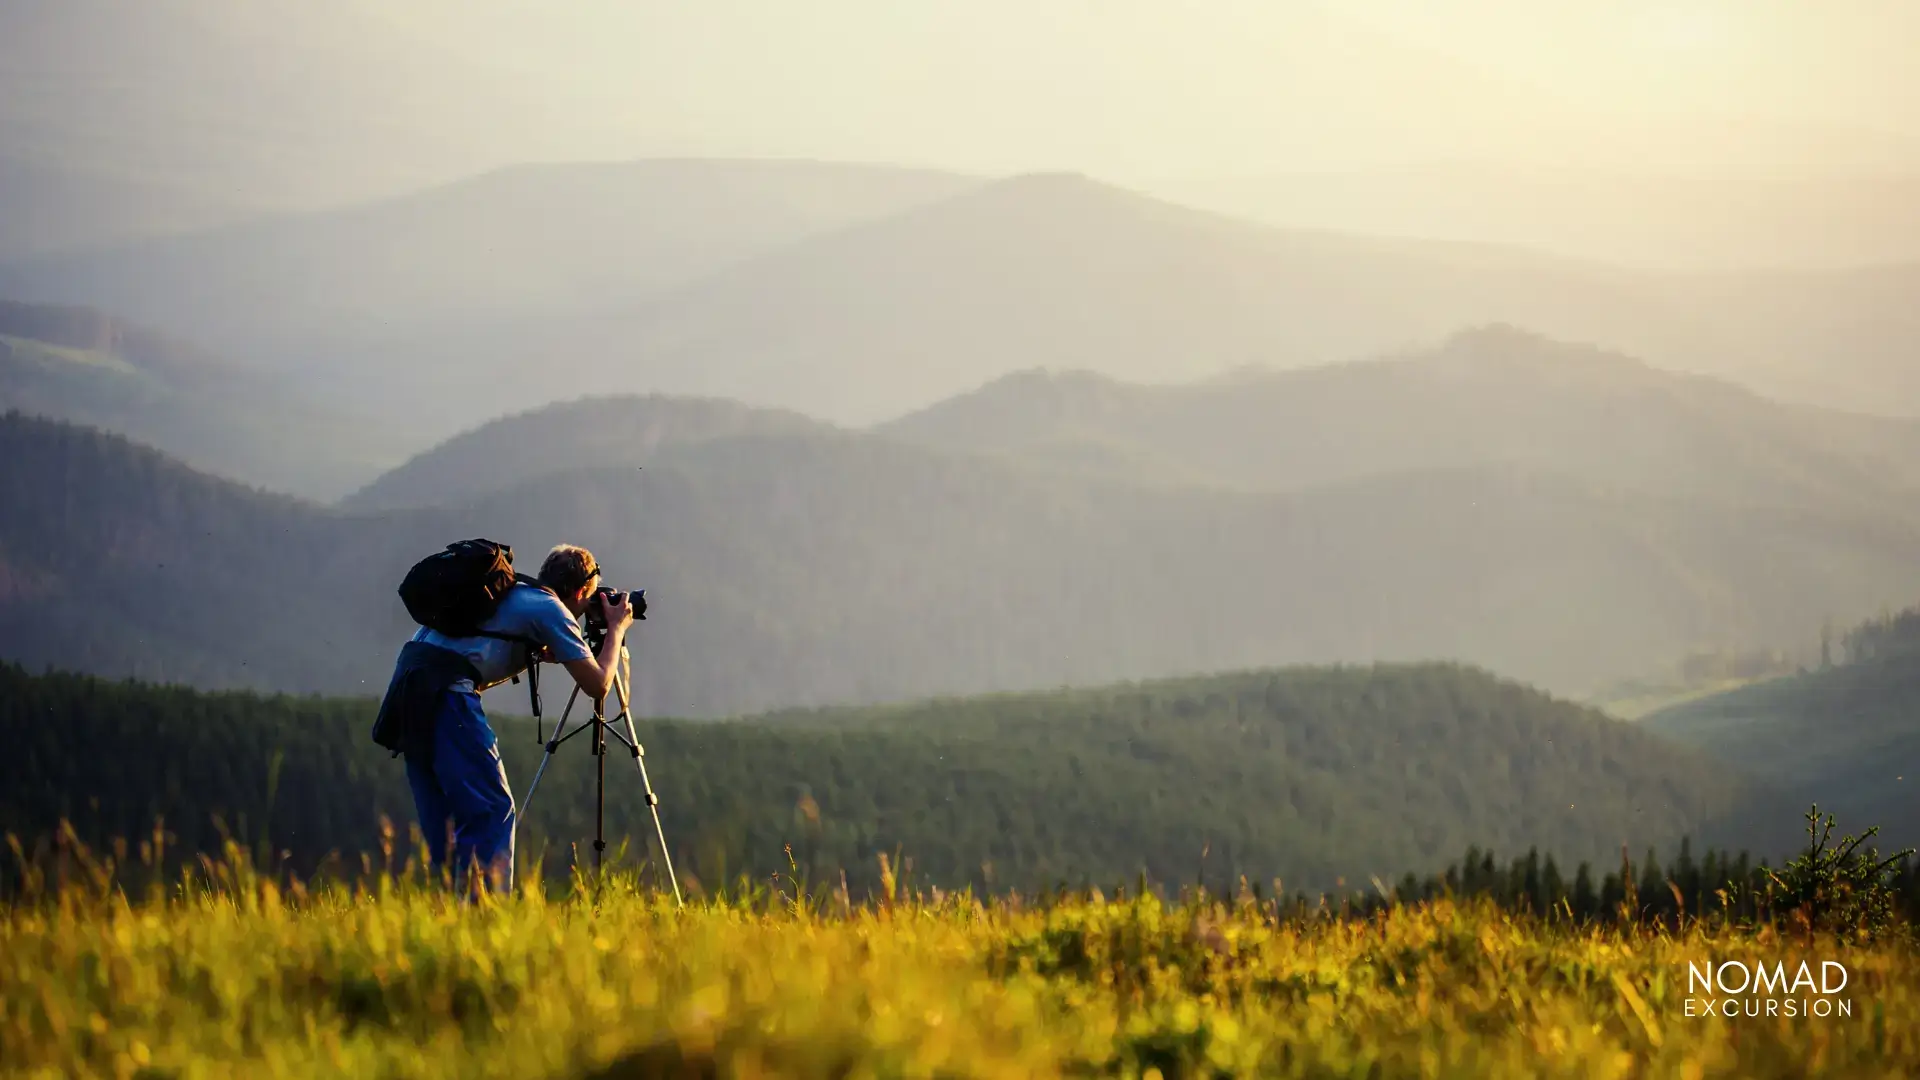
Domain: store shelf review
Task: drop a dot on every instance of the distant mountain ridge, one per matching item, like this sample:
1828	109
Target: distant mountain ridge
86	366
515	244
1737	218
49	206
1054	270
1490	396
91	330
590	433
822	566
1060	271
1495	396
855	294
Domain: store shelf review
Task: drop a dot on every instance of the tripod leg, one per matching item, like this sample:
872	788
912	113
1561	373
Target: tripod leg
640	760
552	745
599	786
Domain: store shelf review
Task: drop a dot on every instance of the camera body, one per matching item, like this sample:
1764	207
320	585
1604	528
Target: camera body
596	628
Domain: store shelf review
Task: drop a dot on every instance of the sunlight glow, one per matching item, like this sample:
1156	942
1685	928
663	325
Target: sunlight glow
1681	29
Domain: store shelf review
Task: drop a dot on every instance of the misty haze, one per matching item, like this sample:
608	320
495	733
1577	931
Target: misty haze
1454	466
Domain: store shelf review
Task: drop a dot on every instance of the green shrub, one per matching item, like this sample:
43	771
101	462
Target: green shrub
1848	887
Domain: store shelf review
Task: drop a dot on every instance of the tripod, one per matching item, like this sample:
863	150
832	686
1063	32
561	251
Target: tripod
600	726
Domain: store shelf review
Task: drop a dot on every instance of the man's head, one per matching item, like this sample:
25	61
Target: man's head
573	574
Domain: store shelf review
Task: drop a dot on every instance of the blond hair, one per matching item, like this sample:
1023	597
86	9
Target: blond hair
567	569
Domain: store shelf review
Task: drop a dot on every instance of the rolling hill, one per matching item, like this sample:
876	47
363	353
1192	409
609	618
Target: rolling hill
822	566
856	294
81	365
531	242
864	323
1309	775
1491	396
1844	737
1707	219
590	433
46	207
1844	338
1063	271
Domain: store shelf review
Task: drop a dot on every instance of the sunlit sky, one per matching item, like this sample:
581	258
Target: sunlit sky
1137	88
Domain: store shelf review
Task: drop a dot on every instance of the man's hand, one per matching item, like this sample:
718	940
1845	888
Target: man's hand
595	677
619	616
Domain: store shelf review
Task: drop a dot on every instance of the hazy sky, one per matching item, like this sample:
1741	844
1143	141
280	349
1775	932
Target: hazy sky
1846	62
1131	88
1693	132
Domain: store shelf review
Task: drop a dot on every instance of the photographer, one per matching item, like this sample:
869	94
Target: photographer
453	761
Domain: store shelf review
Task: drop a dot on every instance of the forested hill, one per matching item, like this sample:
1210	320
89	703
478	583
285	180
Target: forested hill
1309	775
829	567
1846	737
117	558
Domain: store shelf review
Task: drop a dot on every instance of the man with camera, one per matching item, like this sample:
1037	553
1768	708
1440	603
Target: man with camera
432	712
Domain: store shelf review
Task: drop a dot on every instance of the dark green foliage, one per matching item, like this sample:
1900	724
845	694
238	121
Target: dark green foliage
125	561
118	760
1840	887
1310	776
1823	888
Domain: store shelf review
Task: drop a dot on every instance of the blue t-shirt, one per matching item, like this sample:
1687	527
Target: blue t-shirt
526	611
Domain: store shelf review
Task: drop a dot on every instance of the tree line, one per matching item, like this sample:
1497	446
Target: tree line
1311	775
1886	635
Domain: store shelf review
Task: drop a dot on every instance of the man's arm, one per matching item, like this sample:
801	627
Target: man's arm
595	677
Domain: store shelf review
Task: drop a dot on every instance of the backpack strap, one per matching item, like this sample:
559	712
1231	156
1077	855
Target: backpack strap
531	644
533	662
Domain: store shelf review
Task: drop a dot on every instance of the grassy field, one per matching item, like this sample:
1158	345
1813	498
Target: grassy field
233	976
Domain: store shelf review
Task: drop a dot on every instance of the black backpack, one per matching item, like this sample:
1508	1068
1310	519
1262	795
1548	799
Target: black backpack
453	592
456	590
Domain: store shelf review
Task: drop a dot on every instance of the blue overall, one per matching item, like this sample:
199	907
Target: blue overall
432	714
460	792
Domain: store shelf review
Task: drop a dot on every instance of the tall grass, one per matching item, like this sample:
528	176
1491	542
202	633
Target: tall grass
226	971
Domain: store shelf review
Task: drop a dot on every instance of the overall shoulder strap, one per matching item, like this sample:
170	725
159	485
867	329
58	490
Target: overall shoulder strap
533	665
518	579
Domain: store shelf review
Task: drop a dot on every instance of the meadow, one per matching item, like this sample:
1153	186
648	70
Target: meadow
227	973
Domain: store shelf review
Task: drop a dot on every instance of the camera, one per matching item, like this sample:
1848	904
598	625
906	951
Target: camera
596	629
